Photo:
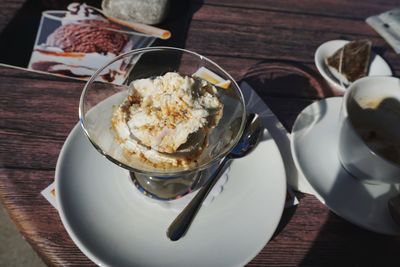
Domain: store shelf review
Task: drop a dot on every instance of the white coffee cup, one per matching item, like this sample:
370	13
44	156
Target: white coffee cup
369	135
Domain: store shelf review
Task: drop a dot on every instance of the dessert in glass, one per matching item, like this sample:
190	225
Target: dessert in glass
168	123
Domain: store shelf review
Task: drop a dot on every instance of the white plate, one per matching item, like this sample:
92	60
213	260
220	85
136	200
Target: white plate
378	66
315	148
114	225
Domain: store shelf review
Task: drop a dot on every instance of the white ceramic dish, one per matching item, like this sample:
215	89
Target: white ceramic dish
114	225
315	151
378	66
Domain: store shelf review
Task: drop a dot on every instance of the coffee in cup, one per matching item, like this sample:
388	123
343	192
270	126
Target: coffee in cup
369	141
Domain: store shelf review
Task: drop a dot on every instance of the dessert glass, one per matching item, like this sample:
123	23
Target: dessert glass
99	99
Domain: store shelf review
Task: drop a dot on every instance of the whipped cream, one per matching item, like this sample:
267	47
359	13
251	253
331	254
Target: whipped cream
165	120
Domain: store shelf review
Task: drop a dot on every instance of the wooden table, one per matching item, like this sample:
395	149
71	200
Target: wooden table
244	37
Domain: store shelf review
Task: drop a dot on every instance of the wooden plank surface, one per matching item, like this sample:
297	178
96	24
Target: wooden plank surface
248	39
341	8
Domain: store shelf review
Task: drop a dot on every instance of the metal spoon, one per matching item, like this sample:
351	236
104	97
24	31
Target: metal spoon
250	138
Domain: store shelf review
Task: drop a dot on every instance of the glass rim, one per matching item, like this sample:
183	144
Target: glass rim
162	173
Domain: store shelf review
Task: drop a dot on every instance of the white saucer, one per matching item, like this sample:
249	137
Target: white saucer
314	148
378	66
114	226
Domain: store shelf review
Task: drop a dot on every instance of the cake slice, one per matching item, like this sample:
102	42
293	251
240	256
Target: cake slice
351	62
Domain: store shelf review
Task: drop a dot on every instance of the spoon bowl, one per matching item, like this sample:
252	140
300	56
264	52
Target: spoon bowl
250	138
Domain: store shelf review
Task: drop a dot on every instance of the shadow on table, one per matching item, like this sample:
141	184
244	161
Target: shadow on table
286	88
340	243
178	21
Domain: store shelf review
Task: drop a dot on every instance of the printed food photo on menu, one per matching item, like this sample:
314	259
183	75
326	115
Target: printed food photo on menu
78	41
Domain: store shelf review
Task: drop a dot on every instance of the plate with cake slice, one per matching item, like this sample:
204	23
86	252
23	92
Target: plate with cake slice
342	62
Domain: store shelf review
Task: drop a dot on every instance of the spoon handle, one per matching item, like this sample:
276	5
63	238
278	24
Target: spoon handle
182	222
143	28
